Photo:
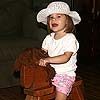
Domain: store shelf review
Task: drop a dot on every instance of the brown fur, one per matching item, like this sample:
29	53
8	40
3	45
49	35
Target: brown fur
31	74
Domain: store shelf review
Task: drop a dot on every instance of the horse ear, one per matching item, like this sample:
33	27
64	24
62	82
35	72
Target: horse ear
43	54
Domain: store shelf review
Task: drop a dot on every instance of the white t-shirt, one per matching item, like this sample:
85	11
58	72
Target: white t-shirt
58	47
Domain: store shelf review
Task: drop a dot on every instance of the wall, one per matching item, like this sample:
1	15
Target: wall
18	30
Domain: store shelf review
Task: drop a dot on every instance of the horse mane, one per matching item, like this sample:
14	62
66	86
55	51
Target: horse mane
29	59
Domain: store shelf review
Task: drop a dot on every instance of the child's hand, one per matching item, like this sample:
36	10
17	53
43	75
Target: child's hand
43	62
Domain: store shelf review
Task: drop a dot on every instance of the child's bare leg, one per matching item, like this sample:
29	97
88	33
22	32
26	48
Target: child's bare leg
60	96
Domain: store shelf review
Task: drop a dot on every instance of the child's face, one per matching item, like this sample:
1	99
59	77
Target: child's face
58	22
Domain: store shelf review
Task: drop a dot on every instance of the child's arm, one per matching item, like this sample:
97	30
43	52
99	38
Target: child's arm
57	59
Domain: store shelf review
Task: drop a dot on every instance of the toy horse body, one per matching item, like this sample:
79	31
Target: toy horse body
32	75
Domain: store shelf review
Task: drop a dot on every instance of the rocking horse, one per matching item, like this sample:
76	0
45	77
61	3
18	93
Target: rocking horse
36	80
33	76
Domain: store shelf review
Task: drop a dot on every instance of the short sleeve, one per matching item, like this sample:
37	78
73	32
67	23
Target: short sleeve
45	43
71	44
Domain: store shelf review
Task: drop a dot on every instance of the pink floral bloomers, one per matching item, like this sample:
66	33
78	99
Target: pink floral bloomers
63	83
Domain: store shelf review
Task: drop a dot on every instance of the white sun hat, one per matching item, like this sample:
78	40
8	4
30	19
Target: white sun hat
57	7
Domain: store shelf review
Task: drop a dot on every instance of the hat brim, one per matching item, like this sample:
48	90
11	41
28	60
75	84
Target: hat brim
43	14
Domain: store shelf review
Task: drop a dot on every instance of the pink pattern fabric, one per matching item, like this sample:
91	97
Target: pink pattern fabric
63	83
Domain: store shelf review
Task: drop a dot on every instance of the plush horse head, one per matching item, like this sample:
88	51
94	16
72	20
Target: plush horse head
31	74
